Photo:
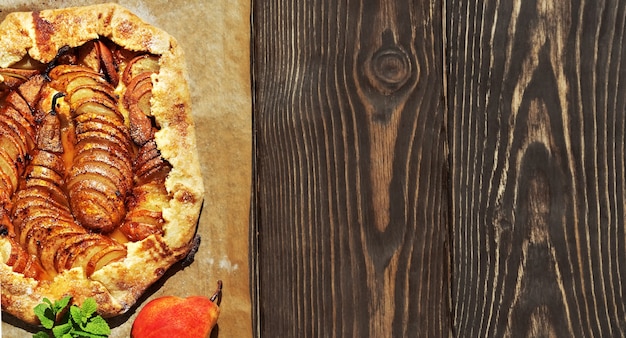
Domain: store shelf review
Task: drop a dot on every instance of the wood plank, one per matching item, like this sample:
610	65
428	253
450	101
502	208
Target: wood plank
351	210
537	111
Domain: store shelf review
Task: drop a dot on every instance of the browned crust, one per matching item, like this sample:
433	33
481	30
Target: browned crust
117	286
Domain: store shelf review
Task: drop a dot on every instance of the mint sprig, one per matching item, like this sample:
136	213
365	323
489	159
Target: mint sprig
77	322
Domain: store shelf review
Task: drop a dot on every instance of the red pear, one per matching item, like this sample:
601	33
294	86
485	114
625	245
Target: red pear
171	316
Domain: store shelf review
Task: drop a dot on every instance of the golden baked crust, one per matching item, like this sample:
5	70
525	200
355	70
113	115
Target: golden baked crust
117	285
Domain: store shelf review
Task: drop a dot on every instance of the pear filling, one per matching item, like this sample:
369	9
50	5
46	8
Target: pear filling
80	172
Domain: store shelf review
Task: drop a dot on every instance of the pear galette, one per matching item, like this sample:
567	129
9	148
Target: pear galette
100	184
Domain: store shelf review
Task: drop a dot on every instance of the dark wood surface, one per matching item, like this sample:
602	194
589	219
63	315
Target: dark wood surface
536	96
443	168
351	160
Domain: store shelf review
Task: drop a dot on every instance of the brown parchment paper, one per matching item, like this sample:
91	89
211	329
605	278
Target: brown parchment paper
215	36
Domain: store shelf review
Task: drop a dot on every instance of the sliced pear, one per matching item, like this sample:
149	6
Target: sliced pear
99	91
110	254
83	257
14	77
137	103
53	198
91	164
36	230
76	250
50	190
95	202
25	120
13	140
18	73
48	160
14	254
140	64
149	164
33	269
107	63
94	107
88	56
106	151
62	75
56	239
68	247
138	87
20	261
111	131
142	224
22	107
7	165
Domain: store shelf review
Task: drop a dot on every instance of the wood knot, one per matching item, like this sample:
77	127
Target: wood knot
389	69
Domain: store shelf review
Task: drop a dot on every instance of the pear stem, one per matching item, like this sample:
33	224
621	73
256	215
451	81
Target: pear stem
55	98
217	296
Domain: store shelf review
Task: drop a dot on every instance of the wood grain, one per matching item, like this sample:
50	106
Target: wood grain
537	111
351	210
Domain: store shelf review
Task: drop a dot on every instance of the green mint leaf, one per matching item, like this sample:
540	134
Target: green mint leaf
41	334
86	334
61	304
45	314
77	322
77	315
89	308
61	330
98	326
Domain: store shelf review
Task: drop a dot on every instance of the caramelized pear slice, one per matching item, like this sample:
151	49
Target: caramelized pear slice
75	249
52	198
96	203
104	128
18	73
109	153
137	103
96	56
13	77
22	262
22	107
10	174
63	74
144	216
12	136
110	254
107	63
97	91
96	197
70	247
57	238
149	165
140	64
25	127
88	56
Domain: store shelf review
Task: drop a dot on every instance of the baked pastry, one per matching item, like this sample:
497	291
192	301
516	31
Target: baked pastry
100	184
